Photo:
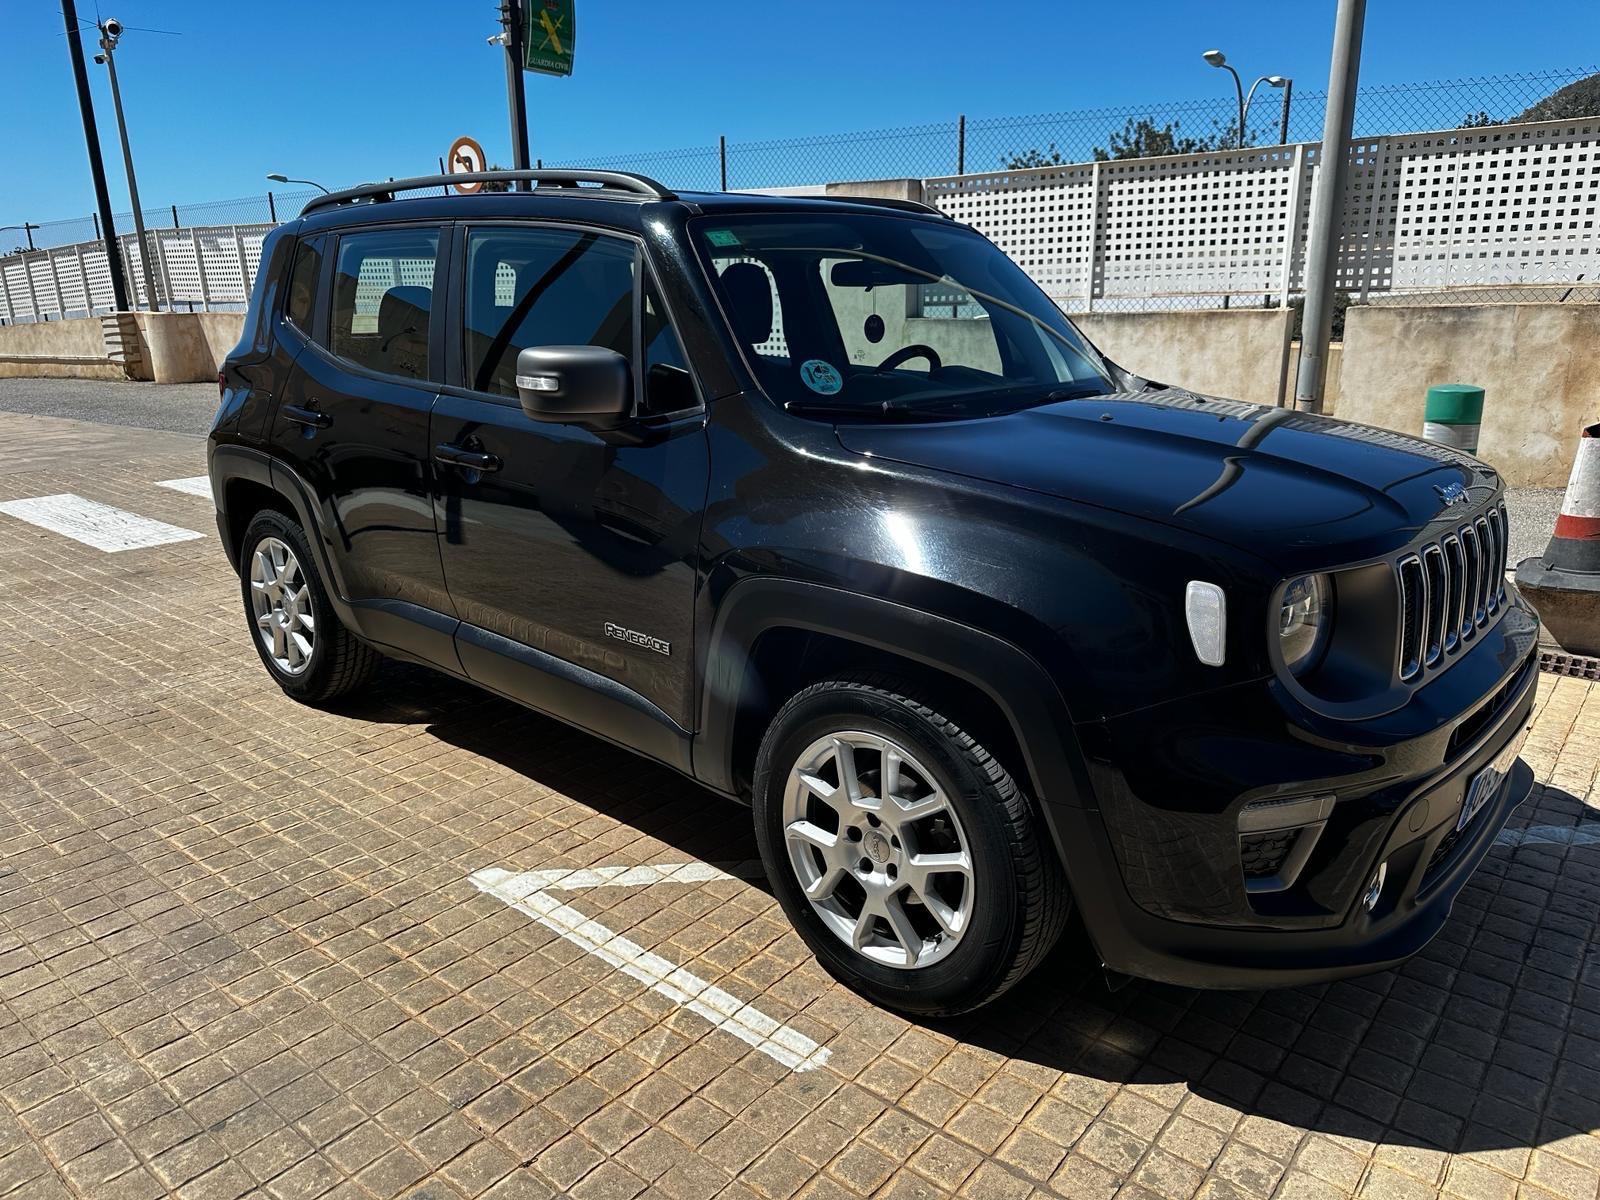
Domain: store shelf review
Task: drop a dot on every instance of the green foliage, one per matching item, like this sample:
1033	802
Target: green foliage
1034	158
1341	302
1578	99
1144	139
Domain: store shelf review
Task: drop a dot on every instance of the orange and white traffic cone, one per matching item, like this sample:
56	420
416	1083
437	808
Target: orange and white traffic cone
1564	583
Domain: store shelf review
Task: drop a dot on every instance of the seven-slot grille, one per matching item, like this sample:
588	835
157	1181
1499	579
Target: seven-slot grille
1449	589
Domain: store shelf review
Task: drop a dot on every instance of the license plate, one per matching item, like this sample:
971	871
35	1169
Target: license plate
1487	782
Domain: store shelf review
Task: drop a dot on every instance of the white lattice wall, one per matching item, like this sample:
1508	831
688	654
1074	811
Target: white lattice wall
198	268
1509	206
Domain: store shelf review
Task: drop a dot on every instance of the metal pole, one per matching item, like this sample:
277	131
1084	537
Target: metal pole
27	232
1283	119
272	208
722	158
175	223
109	47
516	101
1238	87
97	169
1327	205
961	145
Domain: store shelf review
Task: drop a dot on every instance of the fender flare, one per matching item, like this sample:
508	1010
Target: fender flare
1020	688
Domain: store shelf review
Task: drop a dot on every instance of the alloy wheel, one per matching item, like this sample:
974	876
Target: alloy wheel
280	601
878	849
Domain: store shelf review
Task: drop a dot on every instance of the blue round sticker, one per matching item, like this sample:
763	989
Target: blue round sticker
820	376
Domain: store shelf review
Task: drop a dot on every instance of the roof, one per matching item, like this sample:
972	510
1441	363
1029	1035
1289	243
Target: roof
613	197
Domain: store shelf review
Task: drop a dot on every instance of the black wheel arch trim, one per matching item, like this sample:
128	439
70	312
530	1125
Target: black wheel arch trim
1018	686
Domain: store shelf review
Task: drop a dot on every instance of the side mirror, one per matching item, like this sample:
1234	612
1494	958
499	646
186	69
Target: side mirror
579	385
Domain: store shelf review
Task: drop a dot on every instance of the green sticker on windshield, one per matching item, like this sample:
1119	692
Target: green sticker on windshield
722	237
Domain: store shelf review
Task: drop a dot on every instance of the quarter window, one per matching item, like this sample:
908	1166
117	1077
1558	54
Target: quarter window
668	386
543	287
303	284
383	299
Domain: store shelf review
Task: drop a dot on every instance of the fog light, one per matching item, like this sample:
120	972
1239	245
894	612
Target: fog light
1375	888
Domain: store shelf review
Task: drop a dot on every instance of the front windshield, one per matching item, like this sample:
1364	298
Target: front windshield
868	313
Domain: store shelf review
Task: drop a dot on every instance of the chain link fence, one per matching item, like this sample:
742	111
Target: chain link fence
1021	154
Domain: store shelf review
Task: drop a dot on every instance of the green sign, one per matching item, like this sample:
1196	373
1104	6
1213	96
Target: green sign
549	28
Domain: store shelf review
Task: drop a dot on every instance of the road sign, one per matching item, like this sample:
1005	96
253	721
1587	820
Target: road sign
549	28
465	157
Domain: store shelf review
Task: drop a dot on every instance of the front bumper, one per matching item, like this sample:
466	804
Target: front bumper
1160	887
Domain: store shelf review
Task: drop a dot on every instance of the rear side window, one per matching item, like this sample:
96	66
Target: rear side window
302	297
543	287
383	300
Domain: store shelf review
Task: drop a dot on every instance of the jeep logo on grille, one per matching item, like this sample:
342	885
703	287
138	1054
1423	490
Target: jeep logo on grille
634	638
1451	493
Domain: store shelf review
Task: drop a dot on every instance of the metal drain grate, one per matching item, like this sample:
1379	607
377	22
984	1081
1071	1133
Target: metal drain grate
1558	663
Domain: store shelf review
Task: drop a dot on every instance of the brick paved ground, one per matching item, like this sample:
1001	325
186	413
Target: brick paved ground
239	953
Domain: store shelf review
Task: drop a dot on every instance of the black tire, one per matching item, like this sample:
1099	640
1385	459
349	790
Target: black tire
1021	900
339	662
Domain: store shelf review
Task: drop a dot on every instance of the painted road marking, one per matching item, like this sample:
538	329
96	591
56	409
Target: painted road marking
1551	835
529	893
95	524
195	485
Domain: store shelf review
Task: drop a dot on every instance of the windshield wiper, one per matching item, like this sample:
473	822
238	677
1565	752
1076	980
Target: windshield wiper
987	402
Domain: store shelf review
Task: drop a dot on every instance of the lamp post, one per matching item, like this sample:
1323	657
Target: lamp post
276	178
97	172
110	35
1217	59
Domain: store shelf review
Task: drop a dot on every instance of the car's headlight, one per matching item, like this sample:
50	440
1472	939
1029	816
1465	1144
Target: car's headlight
1304	621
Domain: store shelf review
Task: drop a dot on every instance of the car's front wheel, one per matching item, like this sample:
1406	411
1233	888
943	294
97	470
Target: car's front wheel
902	850
302	643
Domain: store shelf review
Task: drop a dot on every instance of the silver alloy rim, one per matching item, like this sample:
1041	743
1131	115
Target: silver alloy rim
280	601
878	849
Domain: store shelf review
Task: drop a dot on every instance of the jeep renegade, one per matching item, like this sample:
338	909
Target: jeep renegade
826	505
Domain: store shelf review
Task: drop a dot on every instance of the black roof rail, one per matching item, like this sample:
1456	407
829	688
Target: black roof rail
614	181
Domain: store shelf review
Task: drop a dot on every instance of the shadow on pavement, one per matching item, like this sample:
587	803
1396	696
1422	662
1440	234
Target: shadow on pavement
1488	1039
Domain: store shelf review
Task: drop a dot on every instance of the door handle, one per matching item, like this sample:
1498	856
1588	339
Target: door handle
311	418
471	460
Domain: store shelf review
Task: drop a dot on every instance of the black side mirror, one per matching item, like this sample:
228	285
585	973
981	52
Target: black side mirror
579	385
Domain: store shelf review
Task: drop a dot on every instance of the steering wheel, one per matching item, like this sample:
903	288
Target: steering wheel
907	353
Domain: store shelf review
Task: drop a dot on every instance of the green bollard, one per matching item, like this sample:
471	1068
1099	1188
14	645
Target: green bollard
1453	414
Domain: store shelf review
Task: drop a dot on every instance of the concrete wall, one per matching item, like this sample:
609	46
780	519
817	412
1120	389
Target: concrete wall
174	348
1538	363
1239	353
72	349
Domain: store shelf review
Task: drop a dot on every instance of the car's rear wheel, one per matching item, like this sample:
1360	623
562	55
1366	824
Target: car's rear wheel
302	643
902	850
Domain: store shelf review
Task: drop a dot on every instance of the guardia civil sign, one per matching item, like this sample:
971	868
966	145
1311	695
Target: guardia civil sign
548	31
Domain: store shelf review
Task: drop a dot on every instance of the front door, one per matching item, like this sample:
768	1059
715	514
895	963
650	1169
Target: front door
580	545
353	419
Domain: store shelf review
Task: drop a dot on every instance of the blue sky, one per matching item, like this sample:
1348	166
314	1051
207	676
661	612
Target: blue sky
345	92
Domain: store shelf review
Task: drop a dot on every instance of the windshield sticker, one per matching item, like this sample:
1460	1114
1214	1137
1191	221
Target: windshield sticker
820	377
722	237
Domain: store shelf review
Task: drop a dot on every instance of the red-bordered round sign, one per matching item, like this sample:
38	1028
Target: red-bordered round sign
465	158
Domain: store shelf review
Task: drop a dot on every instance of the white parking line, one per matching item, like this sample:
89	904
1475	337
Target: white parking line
195	485
95	524
528	893
1551	835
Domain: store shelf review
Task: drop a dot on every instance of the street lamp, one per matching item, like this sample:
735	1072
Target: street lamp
1217	59
110	35
276	178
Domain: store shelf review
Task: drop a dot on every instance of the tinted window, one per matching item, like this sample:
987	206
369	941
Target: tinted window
382	300
543	287
303	284
668	387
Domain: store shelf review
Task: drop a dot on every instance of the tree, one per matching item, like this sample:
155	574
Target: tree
1578	99
496	185
1034	158
1143	139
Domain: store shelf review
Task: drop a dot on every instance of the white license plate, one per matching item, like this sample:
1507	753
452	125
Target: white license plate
1486	783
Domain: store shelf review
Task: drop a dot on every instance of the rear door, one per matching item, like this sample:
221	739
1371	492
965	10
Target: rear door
353	420
580	545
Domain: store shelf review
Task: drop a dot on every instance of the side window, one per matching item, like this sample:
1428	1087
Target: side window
668	386
302	298
383	298
543	287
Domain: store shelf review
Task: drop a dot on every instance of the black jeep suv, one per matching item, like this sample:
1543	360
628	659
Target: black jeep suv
827	506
